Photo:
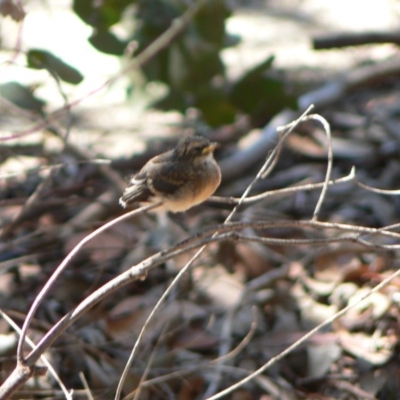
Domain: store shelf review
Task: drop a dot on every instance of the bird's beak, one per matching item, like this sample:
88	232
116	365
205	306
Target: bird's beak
210	148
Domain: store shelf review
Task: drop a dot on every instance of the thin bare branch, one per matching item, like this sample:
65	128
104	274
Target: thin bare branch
375	190
68	395
245	341
51	281
299	342
327	130
86	386
279	192
201	239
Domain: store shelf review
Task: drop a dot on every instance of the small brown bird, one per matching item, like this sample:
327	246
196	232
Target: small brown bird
180	178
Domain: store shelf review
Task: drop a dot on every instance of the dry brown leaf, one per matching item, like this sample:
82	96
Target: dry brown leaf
312	312
99	377
241	394
191	388
253	261
342	294
7	284
274	343
28	270
102	248
367	311
194	339
272	386
321	357
305	145
320	288
125	321
128	316
333	266
372	349
225	290
378	302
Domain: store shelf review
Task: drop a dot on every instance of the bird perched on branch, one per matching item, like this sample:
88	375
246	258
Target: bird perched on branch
180	178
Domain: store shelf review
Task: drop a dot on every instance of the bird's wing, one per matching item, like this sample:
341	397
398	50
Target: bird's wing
137	190
172	178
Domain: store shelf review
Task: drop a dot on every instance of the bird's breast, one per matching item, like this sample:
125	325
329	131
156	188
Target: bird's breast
208	182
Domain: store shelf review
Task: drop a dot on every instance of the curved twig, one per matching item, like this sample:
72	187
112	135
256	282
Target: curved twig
39	298
292	189
226	232
46	362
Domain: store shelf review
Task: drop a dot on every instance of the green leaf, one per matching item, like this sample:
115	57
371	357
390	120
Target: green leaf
42	59
174	100
192	59
21	96
107	42
250	78
192	65
210	22
216	108
261	94
101	14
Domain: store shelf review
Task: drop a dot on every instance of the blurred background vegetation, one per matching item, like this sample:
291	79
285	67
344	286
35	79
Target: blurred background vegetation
189	71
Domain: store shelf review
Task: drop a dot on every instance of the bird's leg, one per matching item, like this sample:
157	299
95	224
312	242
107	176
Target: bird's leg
162	237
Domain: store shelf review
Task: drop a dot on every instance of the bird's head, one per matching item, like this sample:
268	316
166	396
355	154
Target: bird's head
195	148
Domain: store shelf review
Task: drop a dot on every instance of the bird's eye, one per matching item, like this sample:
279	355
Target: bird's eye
197	150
